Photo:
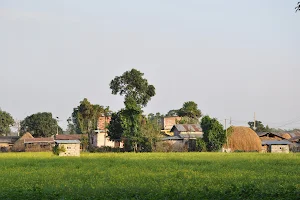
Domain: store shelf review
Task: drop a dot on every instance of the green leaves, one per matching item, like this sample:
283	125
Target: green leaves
40	125
133	85
190	109
6	121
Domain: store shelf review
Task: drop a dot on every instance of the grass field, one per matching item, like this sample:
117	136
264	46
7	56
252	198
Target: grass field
150	176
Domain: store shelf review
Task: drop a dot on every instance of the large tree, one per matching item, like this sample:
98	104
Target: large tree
259	126
6	121
137	94
189	112
132	85
41	124
213	133
85	116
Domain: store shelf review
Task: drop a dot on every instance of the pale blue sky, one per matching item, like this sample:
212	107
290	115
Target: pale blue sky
233	58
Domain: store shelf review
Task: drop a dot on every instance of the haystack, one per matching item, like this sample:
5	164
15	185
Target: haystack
19	144
243	139
286	136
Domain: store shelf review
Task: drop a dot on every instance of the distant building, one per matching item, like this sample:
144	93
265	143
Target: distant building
100	139
274	142
168	122
38	144
72	147
6	142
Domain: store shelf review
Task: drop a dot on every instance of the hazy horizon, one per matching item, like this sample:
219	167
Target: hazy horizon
233	58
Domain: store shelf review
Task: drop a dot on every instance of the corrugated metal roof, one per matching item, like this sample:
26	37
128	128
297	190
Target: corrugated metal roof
187	128
172	138
38	140
8	139
67	141
195	135
295	139
274	142
70	137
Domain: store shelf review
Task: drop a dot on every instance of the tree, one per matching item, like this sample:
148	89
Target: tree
6	121
259	126
298	6
137	94
40	125
115	127
150	128
190	110
133	85
172	113
213	133
85	116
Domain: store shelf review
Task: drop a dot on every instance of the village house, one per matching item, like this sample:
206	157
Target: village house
71	147
38	144
6	142
83	138
99	137
274	142
184	137
167	123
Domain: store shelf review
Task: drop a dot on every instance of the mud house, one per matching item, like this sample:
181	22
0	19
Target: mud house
71	147
6	142
184	137
38	144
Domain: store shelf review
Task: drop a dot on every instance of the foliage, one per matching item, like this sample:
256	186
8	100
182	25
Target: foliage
200	145
134	86
85	116
137	94
259	126
189	109
172	113
150	176
187	120
213	133
58	149
6	121
298	6
40	125
115	127
150	129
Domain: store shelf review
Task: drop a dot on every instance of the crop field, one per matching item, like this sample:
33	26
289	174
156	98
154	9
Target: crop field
150	176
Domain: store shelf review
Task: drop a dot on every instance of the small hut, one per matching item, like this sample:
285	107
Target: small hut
242	139
70	147
19	144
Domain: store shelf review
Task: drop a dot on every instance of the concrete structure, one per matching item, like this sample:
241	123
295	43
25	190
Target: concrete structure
72	147
100	139
83	138
274	146
168	122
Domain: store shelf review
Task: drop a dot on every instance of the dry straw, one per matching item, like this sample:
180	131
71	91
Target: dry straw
243	139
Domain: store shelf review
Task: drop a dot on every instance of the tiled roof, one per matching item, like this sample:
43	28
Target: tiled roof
38	140
187	128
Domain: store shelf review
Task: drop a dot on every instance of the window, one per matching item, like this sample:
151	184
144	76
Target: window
68	147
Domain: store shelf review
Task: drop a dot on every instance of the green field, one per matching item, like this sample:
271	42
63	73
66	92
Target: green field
150	176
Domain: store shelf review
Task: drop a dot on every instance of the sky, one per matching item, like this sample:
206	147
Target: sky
233	58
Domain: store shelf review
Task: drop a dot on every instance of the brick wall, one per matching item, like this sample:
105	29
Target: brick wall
102	122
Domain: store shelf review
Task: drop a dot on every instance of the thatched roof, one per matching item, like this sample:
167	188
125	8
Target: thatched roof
243	138
19	144
286	136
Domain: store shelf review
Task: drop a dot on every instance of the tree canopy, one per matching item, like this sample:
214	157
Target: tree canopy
213	133
133	85
298	6
6	121
189	109
259	126
85	116
137	94
40	125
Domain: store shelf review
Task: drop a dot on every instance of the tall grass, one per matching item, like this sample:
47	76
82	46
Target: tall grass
150	176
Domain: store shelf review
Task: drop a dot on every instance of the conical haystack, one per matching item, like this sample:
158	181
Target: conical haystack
243	139
286	136
19	144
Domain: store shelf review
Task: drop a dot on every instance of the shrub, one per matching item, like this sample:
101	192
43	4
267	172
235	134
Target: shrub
57	150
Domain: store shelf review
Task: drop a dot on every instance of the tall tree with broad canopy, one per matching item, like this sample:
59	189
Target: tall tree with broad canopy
40	124
213	133
6	121
190	111
137	93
